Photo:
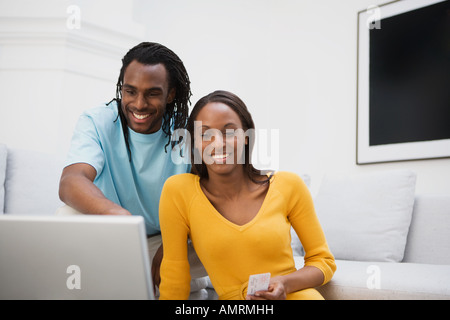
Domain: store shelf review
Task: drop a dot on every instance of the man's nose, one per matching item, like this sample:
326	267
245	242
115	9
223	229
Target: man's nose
141	102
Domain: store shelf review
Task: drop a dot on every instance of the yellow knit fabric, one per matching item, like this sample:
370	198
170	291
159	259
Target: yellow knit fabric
231	253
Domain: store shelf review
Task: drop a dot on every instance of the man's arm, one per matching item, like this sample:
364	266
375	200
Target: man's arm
77	190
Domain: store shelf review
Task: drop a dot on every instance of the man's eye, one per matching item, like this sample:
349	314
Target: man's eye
129	92
152	94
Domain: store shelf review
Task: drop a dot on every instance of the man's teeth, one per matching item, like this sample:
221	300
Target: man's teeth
141	116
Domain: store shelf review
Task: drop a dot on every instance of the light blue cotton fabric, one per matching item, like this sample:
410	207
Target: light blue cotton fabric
98	140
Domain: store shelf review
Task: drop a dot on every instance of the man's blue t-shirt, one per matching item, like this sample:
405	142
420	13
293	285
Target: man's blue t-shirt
98	140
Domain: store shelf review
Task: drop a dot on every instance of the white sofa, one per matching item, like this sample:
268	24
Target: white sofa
388	242
29	182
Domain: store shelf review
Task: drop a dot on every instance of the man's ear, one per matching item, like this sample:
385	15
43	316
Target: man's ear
171	95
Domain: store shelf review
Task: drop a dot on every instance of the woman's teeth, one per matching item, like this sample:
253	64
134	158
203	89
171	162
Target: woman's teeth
220	156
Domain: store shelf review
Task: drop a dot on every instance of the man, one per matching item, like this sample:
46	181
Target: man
121	152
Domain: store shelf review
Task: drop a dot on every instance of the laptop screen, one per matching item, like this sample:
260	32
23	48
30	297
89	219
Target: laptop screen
76	257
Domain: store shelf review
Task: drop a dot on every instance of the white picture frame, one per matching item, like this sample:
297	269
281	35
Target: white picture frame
369	19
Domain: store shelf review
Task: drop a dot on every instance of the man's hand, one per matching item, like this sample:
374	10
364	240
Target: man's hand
156	265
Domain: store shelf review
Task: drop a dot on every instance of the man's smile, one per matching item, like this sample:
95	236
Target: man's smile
141	116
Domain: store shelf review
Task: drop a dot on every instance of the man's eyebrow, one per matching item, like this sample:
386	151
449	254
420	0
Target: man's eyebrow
155	89
129	86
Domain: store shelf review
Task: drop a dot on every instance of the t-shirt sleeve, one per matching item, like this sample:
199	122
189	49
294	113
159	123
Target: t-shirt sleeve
175	269
302	215
85	146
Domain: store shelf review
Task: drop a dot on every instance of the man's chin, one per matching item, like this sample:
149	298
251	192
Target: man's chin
145	128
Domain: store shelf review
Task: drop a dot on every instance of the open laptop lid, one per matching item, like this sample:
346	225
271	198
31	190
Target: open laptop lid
76	257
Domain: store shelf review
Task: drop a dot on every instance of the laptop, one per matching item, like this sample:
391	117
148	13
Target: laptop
74	257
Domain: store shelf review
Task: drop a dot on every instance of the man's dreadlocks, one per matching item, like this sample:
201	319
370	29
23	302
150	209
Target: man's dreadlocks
176	114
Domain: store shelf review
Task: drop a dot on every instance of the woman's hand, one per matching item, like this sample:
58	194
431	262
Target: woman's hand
276	291
280	286
156	264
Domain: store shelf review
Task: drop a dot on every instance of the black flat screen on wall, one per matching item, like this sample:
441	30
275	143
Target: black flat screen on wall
409	93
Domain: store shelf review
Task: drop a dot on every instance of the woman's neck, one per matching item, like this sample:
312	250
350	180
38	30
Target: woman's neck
228	186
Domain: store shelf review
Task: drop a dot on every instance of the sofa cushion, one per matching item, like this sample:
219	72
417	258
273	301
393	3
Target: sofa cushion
386	280
429	236
32	182
3	153
366	217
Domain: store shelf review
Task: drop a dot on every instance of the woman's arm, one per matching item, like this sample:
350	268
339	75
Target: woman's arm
281	286
319	262
174	272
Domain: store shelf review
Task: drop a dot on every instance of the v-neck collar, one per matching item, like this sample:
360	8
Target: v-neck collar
225	220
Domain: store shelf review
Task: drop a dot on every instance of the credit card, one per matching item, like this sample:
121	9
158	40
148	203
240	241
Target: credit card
258	282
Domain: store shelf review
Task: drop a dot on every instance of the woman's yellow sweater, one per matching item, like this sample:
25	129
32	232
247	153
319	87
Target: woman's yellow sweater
231	253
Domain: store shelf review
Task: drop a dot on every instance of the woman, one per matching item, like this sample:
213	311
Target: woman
238	219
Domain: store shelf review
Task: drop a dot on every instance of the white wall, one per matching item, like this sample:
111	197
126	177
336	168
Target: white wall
294	64
55	63
292	61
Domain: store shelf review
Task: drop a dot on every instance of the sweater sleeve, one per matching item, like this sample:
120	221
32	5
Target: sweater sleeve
302	215
175	275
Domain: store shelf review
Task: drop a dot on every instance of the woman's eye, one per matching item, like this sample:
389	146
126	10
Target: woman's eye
206	135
